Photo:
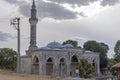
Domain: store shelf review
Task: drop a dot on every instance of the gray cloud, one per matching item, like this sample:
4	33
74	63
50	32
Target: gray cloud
73	2
5	36
50	10
54	10
24	9
86	2
109	2
12	1
15	1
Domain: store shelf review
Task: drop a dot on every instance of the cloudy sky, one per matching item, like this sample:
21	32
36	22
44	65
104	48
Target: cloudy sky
60	20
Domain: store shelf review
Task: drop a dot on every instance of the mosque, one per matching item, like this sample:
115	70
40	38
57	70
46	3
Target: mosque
54	58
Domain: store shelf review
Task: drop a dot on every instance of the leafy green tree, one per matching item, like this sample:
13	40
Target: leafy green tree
117	51
86	69
72	42
111	62
101	48
8	58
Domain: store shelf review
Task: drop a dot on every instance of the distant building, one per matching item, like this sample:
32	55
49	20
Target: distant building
54	58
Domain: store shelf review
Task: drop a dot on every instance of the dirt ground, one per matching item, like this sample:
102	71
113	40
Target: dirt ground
9	75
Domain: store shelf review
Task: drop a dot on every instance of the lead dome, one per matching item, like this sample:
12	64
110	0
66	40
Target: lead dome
54	45
68	46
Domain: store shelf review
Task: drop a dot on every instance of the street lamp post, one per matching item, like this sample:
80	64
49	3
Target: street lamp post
16	23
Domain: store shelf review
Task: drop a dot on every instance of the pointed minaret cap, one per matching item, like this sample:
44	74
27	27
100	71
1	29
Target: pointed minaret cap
33	4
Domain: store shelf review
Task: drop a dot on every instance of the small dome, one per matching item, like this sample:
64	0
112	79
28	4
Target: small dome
45	48
54	45
68	46
88	52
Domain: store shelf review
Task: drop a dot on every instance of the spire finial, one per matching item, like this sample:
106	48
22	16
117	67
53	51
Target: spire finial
33	5
33	2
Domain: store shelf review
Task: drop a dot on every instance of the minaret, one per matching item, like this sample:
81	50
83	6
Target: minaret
33	21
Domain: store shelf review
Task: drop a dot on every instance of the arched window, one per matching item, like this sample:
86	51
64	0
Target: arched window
62	60
74	59
35	65
74	65
50	60
35	60
62	67
93	63
49	66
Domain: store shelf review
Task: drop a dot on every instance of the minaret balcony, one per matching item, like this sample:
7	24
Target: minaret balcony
33	21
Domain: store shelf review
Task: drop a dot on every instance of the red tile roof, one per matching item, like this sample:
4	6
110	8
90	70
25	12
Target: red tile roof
116	65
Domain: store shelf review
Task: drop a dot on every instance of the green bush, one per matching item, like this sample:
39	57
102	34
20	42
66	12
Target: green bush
86	69
8	58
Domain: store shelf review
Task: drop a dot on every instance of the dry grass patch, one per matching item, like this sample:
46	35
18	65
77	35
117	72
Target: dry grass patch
10	75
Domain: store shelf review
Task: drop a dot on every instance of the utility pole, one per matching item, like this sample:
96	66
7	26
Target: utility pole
16	24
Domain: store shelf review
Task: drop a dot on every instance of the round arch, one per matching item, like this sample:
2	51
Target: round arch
62	60
74	59
93	62
35	65
62	66
94	65
35	59
49	66
74	64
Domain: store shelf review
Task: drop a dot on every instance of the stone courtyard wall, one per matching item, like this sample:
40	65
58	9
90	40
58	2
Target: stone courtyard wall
26	65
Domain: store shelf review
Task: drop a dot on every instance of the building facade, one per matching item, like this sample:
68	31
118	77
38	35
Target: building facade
54	58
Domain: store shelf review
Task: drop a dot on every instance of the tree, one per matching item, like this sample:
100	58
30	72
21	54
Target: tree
72	42
117	51
112	62
86	69
101	48
8	58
